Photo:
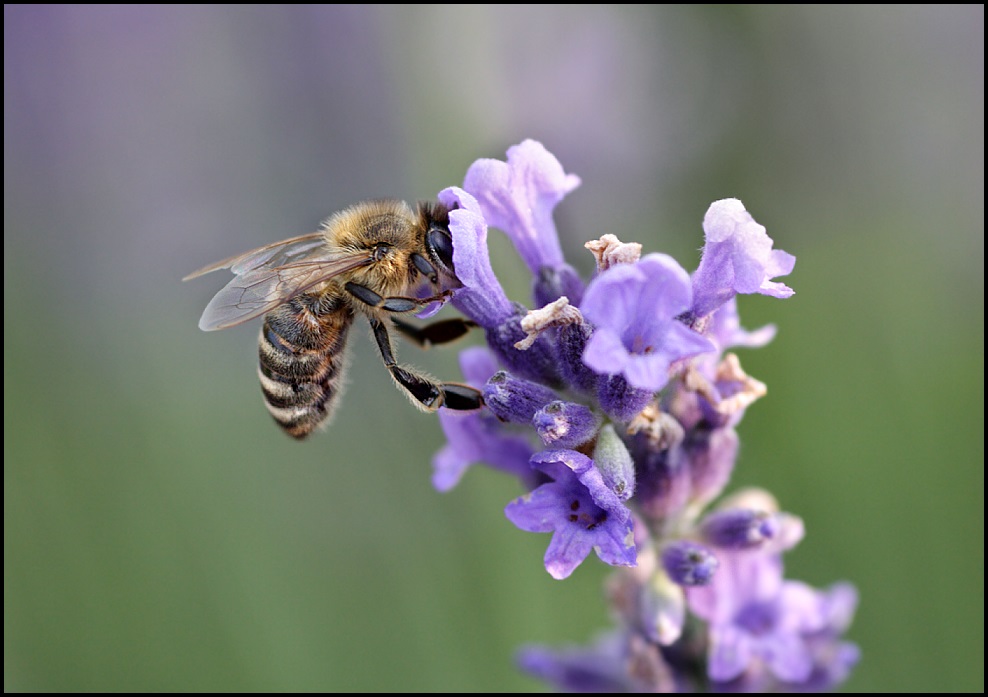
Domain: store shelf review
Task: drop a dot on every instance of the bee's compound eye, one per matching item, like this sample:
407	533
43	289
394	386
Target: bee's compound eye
441	244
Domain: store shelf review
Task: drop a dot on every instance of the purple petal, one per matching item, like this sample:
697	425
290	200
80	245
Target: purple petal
473	438
616	546
579	509
519	196
605	353
730	653
600	667
788	657
737	258
481	299
476	437
567	550
779	264
611	299
477	364
726	331
536	511
647	372
682	342
668	292
562	464
803	609
840	603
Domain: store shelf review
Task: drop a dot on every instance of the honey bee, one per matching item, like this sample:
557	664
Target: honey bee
372	259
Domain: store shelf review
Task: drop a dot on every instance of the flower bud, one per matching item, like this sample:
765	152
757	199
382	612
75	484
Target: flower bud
515	400
689	564
620	400
614	462
739	528
565	424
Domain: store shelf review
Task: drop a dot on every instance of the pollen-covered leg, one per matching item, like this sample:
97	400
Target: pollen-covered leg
426	393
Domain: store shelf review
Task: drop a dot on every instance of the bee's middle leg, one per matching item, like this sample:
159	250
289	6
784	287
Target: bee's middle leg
425	392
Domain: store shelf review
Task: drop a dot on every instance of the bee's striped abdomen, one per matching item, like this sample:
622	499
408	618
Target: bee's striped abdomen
302	351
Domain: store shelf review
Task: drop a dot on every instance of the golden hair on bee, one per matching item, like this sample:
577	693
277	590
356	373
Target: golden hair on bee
379	259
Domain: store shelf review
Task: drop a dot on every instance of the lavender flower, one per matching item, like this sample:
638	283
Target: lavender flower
518	197
763	629
737	258
616	405
581	511
633	309
481	297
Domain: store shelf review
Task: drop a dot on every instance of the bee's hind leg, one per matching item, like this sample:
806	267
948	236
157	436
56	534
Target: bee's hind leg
426	394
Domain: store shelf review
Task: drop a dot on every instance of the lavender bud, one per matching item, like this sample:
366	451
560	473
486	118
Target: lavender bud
663	610
565	424
538	362
515	400
620	400
689	564
553	282
663	484
614	462
711	454
572	343
739	528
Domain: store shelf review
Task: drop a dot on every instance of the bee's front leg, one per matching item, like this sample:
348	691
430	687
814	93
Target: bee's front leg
394	303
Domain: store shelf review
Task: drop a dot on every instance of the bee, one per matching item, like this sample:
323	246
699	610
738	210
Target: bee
374	259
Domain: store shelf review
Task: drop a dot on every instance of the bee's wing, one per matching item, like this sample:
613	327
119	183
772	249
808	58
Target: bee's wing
275	254
267	277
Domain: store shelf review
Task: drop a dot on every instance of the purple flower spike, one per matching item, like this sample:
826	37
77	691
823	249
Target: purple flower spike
579	509
518	197
481	299
634	308
737	258
630	382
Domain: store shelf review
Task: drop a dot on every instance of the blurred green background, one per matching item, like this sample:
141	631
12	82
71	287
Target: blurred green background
160	533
